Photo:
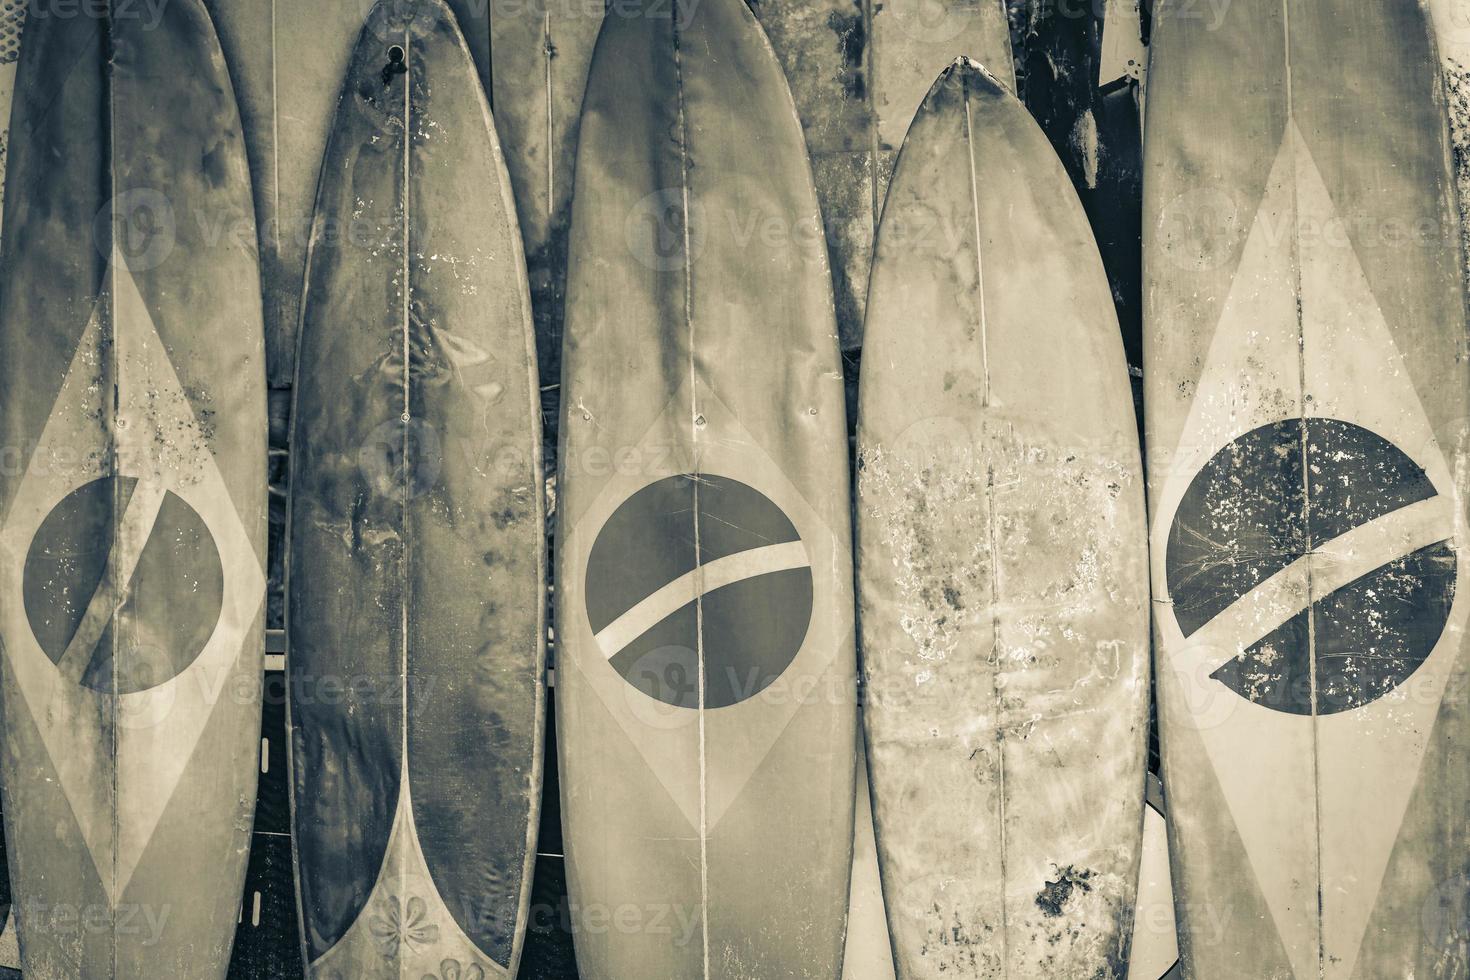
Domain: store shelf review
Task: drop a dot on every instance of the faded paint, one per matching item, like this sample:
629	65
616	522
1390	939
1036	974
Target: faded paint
417	574
1001	540
130	763
1278	295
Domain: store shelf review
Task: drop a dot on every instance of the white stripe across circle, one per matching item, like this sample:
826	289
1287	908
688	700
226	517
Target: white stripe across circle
692	584
1331	565
134	532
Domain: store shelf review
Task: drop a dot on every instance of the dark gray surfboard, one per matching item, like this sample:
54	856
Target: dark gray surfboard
415	588
11	25
132	541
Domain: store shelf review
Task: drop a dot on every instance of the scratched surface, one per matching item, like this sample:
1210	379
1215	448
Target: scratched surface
127	766
1298	335
823	49
417	480
541	58
1001	565
1452	31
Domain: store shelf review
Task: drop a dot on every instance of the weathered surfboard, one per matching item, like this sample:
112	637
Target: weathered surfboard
1002	567
1154	952
705	665
868	954
1306	411
415	614
12	23
133	537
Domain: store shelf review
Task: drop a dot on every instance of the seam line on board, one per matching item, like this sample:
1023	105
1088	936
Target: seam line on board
1293	134
1000	742
979	260
546	48
275	222
694	440
1000	746
871	99
110	287
405	790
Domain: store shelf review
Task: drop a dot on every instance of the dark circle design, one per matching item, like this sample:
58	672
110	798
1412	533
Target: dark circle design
169	608
751	629
1256	507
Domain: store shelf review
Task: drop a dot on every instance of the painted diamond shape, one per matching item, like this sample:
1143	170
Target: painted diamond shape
95	710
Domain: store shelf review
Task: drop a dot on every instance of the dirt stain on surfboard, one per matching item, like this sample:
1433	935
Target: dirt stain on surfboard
1053	898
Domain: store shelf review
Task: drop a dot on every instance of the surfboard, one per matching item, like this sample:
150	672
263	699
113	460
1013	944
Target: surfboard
1306	402
868	953
705	664
1001	558
133	538
1154	951
415	615
11	25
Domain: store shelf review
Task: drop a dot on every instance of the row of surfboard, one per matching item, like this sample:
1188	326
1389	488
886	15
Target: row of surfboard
1305	405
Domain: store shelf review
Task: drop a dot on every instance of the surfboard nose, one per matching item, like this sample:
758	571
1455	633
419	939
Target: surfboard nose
976	74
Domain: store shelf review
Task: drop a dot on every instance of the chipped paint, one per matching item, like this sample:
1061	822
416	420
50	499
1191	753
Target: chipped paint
1002	563
1313	748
